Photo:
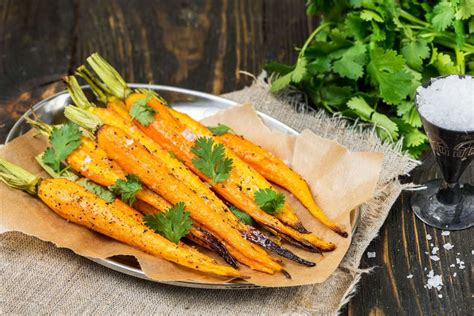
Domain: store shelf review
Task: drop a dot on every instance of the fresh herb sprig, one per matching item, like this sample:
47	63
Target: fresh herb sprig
63	141
242	216
367	57
142	112
269	200
219	129
98	190
173	224
211	160
127	189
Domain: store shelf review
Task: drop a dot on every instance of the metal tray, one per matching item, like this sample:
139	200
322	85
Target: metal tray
196	104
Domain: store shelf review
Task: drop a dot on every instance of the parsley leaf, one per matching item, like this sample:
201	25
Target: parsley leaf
63	141
442	15
269	200
211	160
351	65
415	51
220	129
465	9
173	224
387	73
142	112
98	190
242	216
127	189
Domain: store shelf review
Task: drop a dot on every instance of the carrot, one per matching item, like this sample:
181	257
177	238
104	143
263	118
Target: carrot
275	170
196	234
116	115
167	131
134	158
250	180
116	220
92	162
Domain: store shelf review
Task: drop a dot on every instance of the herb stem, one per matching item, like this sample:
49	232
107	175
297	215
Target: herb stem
310	38
413	19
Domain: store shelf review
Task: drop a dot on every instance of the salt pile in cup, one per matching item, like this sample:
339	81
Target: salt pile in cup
448	103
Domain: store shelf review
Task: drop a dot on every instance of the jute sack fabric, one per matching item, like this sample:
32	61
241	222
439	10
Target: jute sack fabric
38	278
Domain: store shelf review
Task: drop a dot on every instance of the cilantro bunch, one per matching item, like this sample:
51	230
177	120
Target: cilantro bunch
367	57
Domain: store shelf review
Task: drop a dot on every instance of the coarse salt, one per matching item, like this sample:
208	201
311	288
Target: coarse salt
448	103
434	281
455	274
440	295
448	246
409	276
434	250
129	142
428	237
87	160
371	254
445	233
434	258
190	136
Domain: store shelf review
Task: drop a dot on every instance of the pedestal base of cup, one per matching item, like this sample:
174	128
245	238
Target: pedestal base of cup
430	210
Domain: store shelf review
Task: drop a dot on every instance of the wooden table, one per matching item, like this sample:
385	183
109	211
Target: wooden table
203	45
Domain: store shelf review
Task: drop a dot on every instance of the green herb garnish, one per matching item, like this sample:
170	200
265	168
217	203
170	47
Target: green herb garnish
366	59
211	160
63	141
142	112
173	224
242	216
269	200
127	189
98	190
219	130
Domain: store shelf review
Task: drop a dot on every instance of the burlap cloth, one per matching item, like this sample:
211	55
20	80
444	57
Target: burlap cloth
38	278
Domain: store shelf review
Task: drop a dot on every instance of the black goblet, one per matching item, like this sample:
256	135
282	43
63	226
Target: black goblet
445	203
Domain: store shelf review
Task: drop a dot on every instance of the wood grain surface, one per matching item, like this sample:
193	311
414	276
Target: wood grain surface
204	45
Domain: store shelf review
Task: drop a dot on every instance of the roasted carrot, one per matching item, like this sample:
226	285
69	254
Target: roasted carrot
134	158
168	132
275	170
92	162
116	220
116	115
196	234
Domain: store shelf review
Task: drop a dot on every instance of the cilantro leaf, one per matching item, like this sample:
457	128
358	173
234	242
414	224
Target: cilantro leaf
412	137
351	65
269	200
465	9
98	190
142	112
296	75
127	189
387	73
63	141
220	129
414	52
386	127
211	160
368	15
354	26
173	224
444	64
242	216
442	15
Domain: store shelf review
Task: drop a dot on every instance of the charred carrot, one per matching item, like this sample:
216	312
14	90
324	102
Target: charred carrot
92	162
196	234
134	158
116	115
275	170
117	220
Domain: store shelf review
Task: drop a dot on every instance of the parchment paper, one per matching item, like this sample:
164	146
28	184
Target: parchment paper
340	180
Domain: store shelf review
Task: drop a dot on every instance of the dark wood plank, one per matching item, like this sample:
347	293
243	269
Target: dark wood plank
400	251
36	47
